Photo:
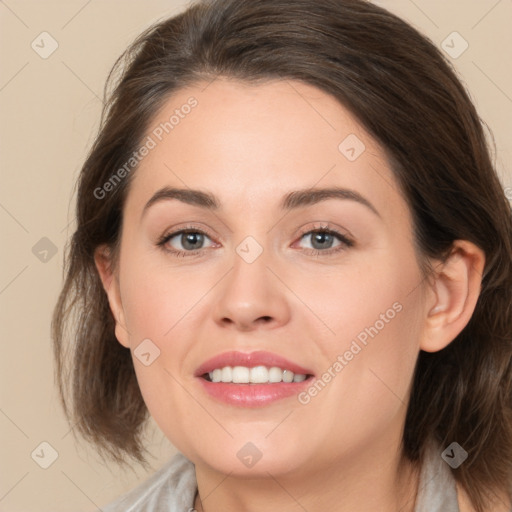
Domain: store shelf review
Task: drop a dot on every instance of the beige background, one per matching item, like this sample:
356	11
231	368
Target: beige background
49	112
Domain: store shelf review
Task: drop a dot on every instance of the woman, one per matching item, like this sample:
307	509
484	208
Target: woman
370	374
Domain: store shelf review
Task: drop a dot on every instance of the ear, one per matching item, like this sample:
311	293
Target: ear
110	281
454	294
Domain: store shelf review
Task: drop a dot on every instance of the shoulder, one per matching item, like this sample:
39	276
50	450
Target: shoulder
172	488
439	491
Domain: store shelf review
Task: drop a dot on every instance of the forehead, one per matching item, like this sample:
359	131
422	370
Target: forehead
250	144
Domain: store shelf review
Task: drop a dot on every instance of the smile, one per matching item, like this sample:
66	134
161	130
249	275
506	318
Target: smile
251	379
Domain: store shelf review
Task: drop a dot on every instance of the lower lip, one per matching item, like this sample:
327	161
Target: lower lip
252	395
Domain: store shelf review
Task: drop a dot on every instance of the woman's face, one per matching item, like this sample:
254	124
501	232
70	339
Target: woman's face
327	281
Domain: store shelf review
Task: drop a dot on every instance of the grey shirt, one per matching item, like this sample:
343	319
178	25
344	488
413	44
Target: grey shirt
173	488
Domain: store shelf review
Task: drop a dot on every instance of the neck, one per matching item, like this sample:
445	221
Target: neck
372	481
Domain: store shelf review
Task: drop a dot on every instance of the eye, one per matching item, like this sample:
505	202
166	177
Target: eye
325	241
191	241
185	242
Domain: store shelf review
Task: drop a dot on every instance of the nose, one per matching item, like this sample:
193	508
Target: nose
252	297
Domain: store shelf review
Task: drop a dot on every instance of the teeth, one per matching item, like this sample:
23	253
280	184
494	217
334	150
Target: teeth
275	374
241	375
256	375
259	375
288	376
227	374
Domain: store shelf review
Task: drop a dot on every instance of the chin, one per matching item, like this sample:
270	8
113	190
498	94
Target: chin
253	459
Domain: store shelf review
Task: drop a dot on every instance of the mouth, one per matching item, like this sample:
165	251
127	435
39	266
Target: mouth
252	379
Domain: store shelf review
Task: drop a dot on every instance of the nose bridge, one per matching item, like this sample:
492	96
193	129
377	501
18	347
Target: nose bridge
251	295
250	273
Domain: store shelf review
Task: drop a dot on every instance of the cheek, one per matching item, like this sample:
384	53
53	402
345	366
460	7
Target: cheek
378	329
370	360
381	357
167	307
156	299
373	313
369	298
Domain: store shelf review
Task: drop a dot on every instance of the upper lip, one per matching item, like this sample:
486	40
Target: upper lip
250	360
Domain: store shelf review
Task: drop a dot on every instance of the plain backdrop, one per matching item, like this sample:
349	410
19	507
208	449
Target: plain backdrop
49	114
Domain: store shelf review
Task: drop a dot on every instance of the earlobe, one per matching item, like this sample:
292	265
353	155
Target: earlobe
104	266
455	291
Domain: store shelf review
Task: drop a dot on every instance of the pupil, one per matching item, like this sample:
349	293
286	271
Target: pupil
189	240
321	238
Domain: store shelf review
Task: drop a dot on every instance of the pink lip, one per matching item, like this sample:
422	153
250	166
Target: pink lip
251	395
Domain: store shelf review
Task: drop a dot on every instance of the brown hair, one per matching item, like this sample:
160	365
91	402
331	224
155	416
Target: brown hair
407	96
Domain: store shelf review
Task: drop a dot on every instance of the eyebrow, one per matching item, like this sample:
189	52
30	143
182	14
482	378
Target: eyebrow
291	201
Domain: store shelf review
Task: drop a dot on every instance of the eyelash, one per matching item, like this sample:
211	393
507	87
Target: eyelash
345	241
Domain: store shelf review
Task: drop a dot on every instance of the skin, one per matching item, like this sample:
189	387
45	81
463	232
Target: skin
250	145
